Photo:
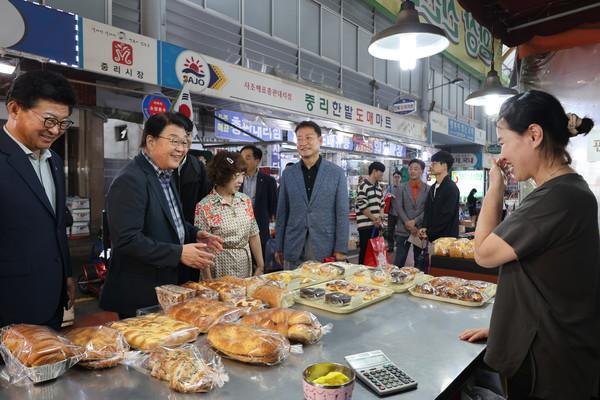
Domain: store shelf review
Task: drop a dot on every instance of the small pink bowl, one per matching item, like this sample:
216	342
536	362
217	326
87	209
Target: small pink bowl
314	391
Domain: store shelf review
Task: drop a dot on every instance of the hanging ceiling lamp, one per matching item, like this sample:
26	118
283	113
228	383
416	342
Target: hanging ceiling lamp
492	94
408	39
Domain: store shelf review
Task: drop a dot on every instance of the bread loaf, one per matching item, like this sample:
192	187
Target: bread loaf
202	291
274	296
168	295
249	344
35	345
152	330
203	313
299	326
104	346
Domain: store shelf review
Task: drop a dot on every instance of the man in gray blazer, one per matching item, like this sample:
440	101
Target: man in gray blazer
409	204
312	210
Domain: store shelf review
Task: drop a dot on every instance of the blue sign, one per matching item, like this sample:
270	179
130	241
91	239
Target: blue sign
154	104
247	123
461	130
36	29
404	106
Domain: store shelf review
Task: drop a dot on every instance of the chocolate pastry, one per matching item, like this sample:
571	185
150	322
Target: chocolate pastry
338	299
312	293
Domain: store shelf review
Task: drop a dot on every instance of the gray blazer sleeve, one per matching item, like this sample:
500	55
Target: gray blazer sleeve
400	204
282	213
342	219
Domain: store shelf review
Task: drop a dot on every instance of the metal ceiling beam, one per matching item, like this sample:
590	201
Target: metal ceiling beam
553	17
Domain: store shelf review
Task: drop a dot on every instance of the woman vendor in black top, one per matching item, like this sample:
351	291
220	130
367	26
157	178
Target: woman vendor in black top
544	334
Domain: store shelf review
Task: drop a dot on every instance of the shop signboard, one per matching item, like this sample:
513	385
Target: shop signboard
494	148
213	77
154	104
247	123
470	43
35	29
404	106
594	146
112	51
480	137
468	160
439	122
461	130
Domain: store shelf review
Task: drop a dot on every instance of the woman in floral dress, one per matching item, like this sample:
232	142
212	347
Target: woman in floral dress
228	213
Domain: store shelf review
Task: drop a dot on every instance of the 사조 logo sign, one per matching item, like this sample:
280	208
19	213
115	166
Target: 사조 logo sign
191	68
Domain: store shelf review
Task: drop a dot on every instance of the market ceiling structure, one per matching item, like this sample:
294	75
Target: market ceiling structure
517	21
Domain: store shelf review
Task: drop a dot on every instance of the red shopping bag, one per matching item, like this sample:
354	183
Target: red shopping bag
375	256
387	204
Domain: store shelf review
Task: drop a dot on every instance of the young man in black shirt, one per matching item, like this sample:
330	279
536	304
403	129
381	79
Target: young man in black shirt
441	206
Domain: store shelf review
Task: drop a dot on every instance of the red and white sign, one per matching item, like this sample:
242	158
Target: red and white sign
111	51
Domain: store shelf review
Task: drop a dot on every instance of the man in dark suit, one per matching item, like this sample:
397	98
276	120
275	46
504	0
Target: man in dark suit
262	189
150	239
35	266
441	206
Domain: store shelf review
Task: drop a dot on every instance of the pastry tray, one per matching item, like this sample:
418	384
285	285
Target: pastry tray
397	288
488	295
356	304
299	280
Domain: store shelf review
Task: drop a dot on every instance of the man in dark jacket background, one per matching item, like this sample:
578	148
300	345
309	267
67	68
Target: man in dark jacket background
441	206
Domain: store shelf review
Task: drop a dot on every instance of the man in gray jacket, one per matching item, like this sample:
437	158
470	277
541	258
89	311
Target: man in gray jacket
409	204
312	209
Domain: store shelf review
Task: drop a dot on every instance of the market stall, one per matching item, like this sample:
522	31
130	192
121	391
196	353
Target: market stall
419	335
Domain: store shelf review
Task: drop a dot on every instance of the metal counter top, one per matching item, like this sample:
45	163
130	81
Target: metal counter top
419	335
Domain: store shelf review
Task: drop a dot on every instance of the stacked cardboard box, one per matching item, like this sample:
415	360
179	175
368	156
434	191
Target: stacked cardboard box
80	210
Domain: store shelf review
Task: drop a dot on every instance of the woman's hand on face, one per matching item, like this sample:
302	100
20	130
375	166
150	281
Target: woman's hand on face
499	175
475	335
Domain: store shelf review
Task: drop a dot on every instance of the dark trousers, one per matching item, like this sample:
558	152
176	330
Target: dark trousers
56	320
392	220
402	248
521	384
364	234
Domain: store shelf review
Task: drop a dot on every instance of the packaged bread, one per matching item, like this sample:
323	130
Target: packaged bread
457	248
351	289
203	313
252	305
250	283
228	292
202	291
152	330
310	268
172	294
274	296
104	346
35	353
455	288
469	250
441	246
249	344
298	326
186	369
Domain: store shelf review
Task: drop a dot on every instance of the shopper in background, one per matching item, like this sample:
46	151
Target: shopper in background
312	209
262	190
472	205
192	185
35	265
369	207
442	204
227	213
151	241
392	215
409	204
545	325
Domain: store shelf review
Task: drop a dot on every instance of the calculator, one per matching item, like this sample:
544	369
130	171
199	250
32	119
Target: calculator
383	376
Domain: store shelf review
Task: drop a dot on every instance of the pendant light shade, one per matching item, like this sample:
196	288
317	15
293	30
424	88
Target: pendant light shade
408	38
491	95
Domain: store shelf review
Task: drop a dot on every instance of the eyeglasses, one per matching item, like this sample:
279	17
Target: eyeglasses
51	122
176	143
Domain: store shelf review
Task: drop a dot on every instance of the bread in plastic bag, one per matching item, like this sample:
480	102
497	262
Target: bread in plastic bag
251	283
457	248
310	268
274	296
153	330
298	326
202	291
455	288
168	295
35	354
203	313
252	305
441	246
227	291
104	347
187	369
250	344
